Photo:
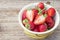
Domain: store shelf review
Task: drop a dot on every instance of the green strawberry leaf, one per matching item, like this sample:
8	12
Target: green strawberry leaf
29	9
25	21
45	15
40	11
27	26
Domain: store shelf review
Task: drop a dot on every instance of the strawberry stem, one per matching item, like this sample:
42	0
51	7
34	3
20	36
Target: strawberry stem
40	11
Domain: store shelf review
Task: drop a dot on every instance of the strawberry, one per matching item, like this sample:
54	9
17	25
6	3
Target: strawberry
32	25
24	15
48	19
50	22
40	19
30	15
41	5
35	11
36	28
42	28
44	12
50	25
51	12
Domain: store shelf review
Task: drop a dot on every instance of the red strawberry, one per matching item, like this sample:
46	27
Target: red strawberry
41	5
32	25
51	12
24	15
40	19
50	22
44	12
50	25
30	15
35	11
36	28
48	19
42	28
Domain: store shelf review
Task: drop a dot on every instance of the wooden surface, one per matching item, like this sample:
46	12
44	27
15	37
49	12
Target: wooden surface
9	26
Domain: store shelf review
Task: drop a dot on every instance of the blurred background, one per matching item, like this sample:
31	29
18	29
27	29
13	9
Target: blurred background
9	25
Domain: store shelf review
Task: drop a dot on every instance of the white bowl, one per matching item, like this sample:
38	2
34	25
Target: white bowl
32	5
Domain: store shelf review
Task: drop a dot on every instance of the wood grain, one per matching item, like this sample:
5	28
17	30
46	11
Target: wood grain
9	25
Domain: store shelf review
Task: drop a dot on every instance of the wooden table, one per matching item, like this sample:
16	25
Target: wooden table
9	26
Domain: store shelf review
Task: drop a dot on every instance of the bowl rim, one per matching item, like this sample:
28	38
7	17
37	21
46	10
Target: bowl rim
19	15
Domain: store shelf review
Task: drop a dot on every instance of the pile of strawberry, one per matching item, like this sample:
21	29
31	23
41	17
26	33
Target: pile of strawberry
39	19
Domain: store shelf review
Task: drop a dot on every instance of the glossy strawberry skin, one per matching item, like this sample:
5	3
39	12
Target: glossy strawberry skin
36	28
50	22
24	15
44	12
42	28
41	5
35	11
50	25
32	25
48	19
51	12
30	15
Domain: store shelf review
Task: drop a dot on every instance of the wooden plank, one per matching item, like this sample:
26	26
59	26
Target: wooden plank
10	29
20	4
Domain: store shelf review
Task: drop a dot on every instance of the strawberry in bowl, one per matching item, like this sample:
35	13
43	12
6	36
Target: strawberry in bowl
39	18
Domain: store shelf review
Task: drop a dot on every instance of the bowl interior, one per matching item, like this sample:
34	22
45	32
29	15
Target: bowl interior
32	5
